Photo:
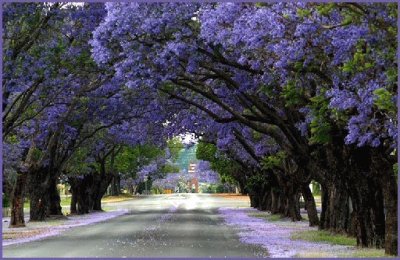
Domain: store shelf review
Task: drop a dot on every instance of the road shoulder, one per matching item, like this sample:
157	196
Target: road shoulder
276	236
40	230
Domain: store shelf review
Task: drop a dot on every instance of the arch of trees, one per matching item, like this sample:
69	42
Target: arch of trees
279	94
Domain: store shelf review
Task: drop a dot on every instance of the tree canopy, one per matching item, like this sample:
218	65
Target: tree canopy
279	95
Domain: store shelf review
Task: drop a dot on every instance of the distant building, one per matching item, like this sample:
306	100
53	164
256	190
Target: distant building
192	168
194	182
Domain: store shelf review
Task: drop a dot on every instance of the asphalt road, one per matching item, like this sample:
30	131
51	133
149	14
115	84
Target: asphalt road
174	225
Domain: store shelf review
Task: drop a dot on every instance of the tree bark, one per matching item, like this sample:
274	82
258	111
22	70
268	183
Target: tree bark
87	191
335	214
274	201
310	206
390	200
80	202
54	207
324	222
37	193
17	201
115	185
74	201
254	200
101	182
367	200
383	168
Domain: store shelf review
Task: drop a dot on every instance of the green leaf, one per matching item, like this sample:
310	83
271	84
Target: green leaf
384	100
292	94
302	13
272	161
320	131
325	9
320	128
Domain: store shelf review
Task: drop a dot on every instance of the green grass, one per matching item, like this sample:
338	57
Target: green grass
275	217
65	201
356	253
121	197
267	216
317	199
314	254
324	236
369	252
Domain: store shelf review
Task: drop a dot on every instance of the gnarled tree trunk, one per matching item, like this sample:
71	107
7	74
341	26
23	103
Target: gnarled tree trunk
366	195
310	205
335	212
17	201
54	207
116	185
37	191
74	201
383	168
390	199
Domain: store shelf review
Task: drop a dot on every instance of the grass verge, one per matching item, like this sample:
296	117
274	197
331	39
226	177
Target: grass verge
66	201
369	252
353	253
324	236
335	239
267	216
121	197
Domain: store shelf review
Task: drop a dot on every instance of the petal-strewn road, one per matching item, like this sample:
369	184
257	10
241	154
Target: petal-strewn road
175	225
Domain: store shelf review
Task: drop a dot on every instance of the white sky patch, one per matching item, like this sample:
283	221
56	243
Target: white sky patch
64	5
188	138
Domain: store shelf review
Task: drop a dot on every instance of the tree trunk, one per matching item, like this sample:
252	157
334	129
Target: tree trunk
99	190
274	201
97	204
267	200
291	198
367	201
310	206
383	168
335	213
324	222
390	200
101	183
74	201
115	185
263	195
292	207
54	207
37	193
254	200
241	188
80	202
17	201
87	191
45	199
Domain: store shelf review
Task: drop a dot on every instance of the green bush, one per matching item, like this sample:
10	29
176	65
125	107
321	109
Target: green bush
220	189
316	188
6	201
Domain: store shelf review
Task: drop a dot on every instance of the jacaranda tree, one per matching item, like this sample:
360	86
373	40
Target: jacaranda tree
281	70
279	94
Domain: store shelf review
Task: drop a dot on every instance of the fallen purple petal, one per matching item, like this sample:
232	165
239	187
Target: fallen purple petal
73	221
273	237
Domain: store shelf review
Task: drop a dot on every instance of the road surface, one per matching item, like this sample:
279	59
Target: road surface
173	225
